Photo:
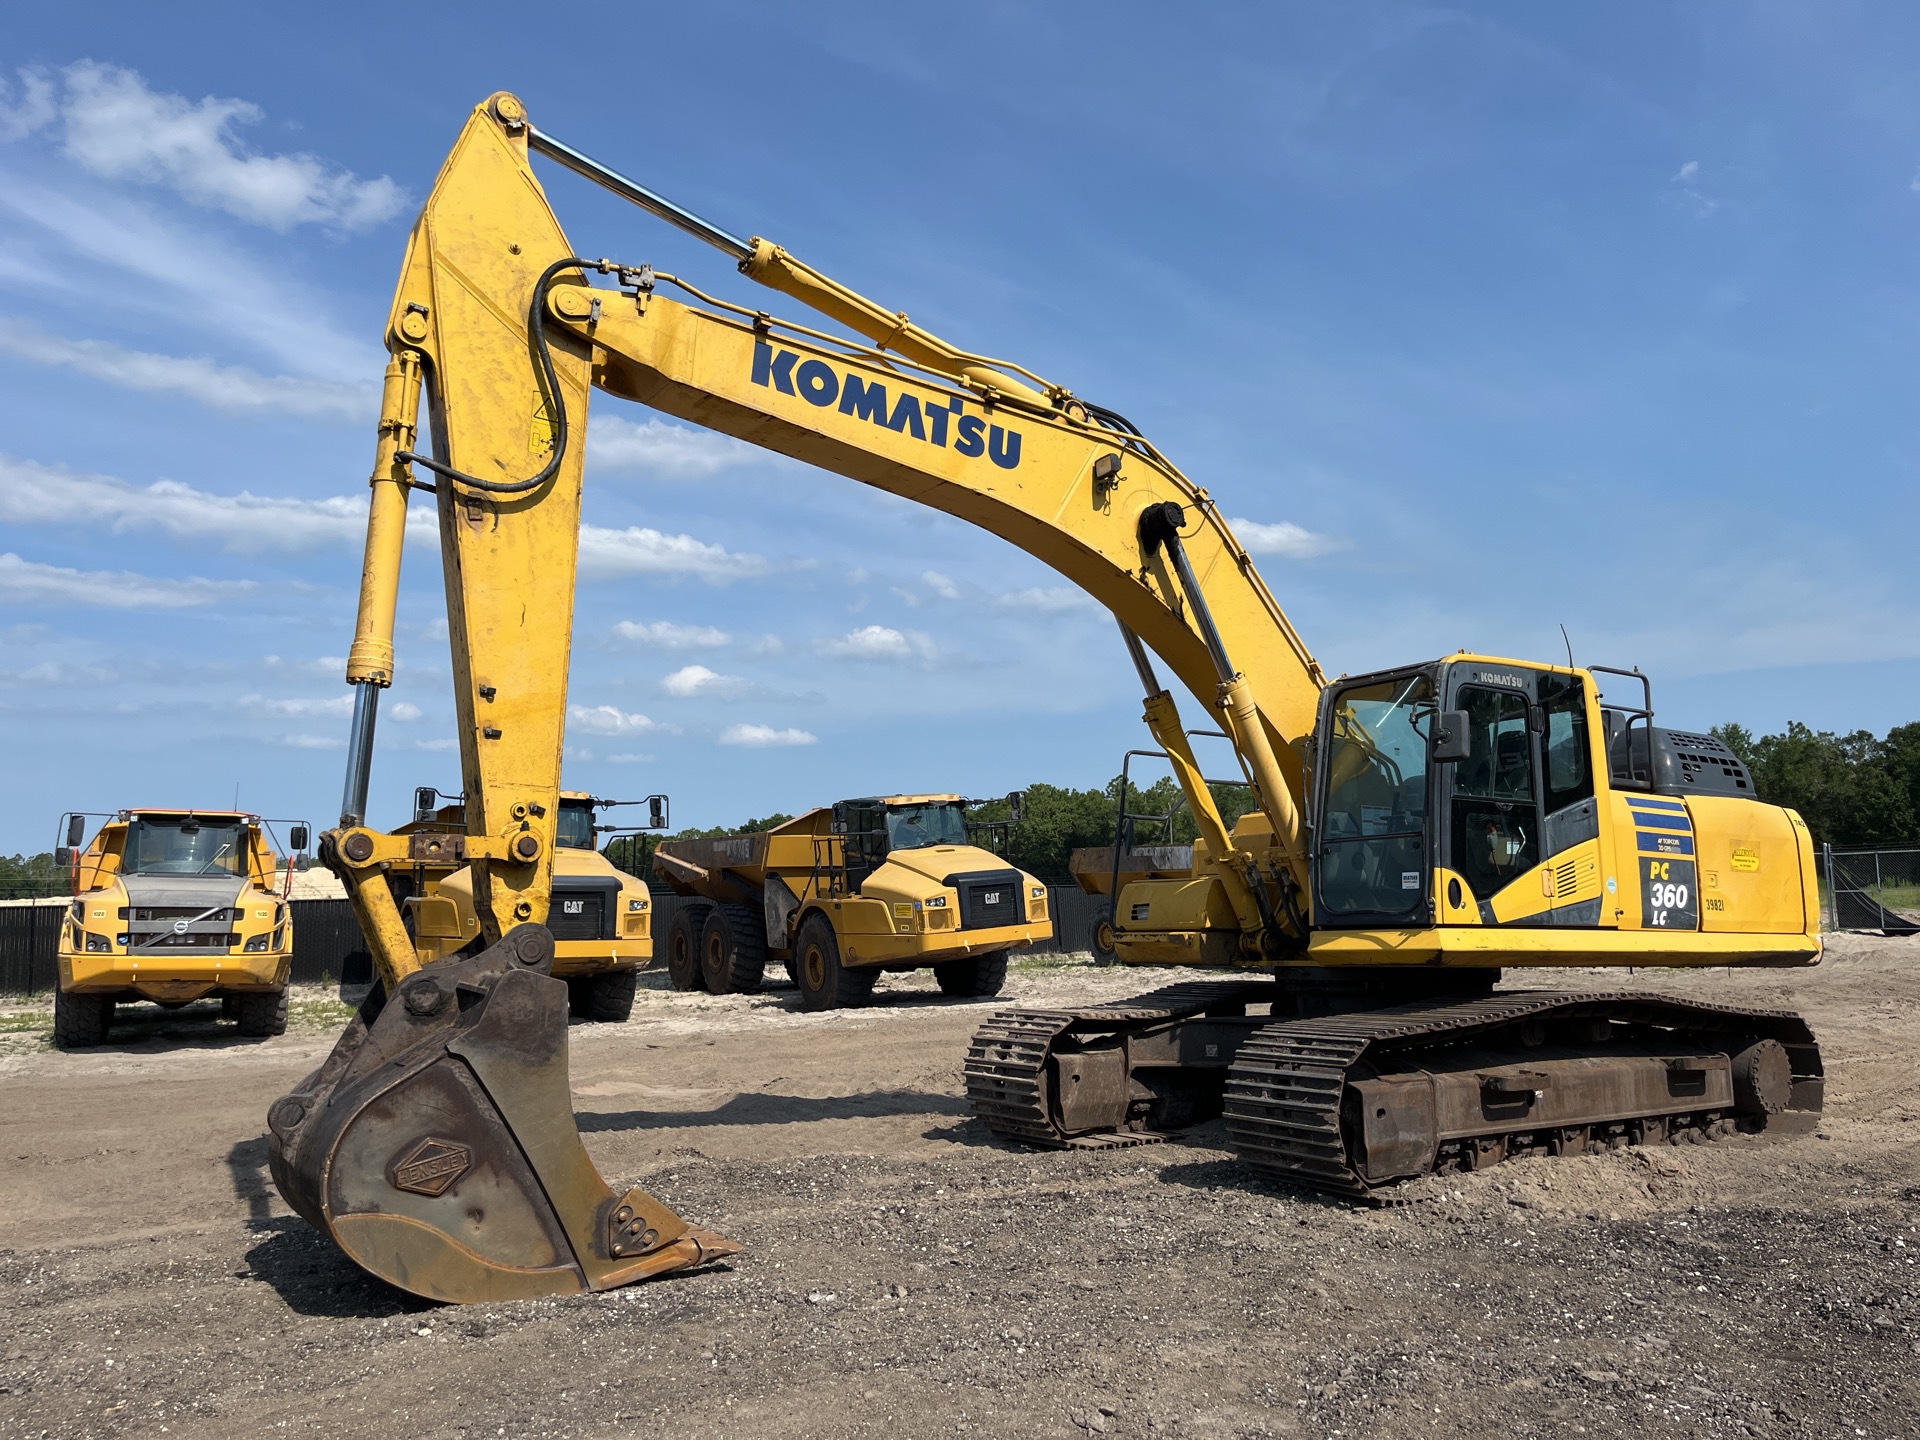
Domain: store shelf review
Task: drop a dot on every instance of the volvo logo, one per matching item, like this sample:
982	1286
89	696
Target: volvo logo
180	927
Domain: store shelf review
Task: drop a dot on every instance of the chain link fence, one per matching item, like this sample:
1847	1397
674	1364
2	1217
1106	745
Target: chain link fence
1876	890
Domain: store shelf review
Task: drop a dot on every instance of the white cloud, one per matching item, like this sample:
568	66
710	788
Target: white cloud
312	742
880	642
609	720
668	636
230	388
642	550
32	109
115	126
439	742
263	705
1047	599
691	680
1686	174
767	645
1283	538
940	585
29	582
48	494
760	737
575	752
630	759
661	448
403	712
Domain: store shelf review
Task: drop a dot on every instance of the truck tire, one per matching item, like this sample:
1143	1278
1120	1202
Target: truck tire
1103	934
80	1020
733	950
826	984
610	996
683	947
976	975
262	1015
578	996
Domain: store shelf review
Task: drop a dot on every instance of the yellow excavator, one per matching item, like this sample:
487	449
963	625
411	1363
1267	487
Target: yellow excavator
1418	829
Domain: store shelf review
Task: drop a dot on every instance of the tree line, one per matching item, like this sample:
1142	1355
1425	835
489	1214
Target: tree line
1857	789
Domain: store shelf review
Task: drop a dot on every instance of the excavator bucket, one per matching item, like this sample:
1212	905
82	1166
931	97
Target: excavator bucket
436	1145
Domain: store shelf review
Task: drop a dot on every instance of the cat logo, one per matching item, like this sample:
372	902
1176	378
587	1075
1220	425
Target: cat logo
573	907
992	897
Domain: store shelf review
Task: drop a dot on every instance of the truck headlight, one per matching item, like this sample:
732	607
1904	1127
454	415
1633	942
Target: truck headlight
636	904
98	944
257	944
938	902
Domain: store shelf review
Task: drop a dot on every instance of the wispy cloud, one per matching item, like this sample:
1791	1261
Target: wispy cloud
1686	183
1047	599
661	448
666	635
301	706
760	737
631	759
610	720
33	494
642	550
233	389
940	584
110	122
1282	538
29	582
312	742
880	642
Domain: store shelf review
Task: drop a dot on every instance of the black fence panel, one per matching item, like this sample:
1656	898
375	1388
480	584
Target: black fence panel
328	947
29	948
1075	913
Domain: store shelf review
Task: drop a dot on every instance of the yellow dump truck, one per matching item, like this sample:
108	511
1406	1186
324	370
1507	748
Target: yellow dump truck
173	906
601	919
891	882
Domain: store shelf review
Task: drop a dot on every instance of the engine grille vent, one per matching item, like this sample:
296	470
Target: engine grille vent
578	915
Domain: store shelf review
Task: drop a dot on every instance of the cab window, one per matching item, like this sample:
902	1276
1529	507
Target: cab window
1372	834
1569	758
1495	834
575	826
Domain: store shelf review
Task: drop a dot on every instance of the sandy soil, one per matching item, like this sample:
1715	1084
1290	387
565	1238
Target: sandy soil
905	1276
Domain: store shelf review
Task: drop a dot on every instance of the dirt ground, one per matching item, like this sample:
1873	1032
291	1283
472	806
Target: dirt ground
905	1275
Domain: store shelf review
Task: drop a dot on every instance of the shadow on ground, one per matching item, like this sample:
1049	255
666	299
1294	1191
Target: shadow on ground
779	1110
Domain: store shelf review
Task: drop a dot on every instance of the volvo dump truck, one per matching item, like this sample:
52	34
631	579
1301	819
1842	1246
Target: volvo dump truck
843	893
601	918
1473	817
174	906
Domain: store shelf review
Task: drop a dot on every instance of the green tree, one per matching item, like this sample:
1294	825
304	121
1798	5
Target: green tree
27	877
1853	789
633	854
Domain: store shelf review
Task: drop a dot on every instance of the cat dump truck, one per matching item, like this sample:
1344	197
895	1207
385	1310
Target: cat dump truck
601	918
845	892
174	906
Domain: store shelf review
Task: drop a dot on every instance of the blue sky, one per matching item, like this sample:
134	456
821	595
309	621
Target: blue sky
1488	319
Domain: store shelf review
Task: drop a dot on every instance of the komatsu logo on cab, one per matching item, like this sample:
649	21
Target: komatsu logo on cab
947	424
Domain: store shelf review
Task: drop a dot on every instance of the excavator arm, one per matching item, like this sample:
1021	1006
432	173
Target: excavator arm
498	327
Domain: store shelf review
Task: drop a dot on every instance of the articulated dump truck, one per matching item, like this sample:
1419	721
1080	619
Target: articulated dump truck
842	893
174	906
601	918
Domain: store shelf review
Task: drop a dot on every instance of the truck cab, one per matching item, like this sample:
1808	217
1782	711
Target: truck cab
172	906
601	918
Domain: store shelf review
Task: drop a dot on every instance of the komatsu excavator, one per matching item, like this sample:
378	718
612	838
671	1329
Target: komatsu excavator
1418	829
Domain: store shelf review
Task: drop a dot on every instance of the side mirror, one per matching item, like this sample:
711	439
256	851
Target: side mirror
297	838
426	800
656	812
63	857
76	831
1016	806
1452	736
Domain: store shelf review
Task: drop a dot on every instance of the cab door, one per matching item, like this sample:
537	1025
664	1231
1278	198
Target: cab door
1518	819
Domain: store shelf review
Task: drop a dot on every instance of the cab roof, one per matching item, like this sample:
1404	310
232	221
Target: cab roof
906	800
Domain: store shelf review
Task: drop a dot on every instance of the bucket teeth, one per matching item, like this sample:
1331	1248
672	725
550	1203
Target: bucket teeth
437	1145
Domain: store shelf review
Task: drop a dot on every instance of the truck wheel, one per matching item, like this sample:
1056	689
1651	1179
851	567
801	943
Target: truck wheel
683	947
610	996
733	950
976	975
578	996
80	1020
263	1015
826	984
1103	935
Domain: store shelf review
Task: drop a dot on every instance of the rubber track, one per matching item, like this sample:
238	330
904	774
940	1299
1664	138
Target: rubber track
1007	1057
1284	1087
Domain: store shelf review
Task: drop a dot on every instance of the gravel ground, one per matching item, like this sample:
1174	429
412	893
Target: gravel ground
906	1275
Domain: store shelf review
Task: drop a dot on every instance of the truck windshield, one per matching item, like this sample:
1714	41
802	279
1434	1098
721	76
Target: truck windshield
185	847
575	829
914	827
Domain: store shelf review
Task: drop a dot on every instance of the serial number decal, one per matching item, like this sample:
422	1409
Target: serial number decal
1669	897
